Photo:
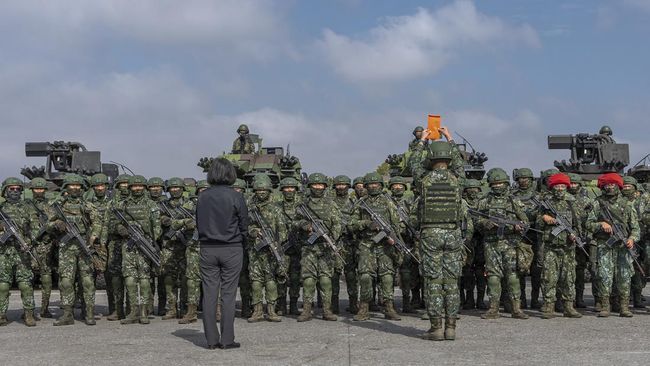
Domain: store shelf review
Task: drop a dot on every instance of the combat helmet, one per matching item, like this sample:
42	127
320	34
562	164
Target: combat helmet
439	150
575	178
628	179
373	178
72	179
605	130
317	178
122	178
357	180
137	180
175	182
98	179
155	182
243	128
202	184
522	173
471	183
38	183
262	185
342	179
12	181
417	129
239	183
497	175
289	182
397	180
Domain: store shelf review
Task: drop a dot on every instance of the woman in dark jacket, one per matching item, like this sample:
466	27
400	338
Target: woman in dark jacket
222	222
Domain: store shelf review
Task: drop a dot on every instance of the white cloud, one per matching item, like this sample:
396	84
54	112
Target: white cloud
405	47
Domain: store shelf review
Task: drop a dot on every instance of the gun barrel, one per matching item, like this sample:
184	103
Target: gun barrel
562	142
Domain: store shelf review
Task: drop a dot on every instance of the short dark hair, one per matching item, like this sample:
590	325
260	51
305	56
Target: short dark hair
222	173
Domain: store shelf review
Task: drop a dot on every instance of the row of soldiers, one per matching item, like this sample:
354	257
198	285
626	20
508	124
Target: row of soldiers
80	236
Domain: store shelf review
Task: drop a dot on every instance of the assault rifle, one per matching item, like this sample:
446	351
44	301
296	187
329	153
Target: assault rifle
171	233
267	239
385	230
404	218
619	235
11	230
502	222
138	238
42	220
72	232
561	223
319	230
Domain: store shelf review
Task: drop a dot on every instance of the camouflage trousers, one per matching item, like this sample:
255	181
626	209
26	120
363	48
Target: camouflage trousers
501	262
44	252
136	271
294	280
73	262
193	273
441	253
378	262
172	269
582	264
558	274
613	268
638	280
350	269
114	280
14	263
317	264
409	272
265	273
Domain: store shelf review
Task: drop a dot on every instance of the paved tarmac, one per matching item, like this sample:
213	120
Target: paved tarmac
587	341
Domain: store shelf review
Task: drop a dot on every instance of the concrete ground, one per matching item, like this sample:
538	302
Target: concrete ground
587	341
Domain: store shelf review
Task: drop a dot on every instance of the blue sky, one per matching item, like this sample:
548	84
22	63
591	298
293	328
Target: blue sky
159	84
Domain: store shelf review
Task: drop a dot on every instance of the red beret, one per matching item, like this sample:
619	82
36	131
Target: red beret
610	178
558	178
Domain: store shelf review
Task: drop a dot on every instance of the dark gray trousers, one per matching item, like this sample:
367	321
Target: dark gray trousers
220	268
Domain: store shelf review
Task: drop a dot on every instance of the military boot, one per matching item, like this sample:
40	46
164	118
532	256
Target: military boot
218	313
534	298
328	314
450	329
258	313
637	300
406	303
614	304
171	312
273	315
281	306
389	311
469	301
89	319
435	333
335	304
306	312
190	316
362	314
625	307
604	307
354	306
516	311
3	320
293	306
132	318
113	316
559	307
569	311
548	310
493	311
598	304
480	298
67	318
45	309
580	302
144	314
373	306
416	300
246	308
29	318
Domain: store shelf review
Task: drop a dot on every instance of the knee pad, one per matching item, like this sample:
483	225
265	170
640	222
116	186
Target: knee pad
24	286
129	282
4	287
494	281
87	282
365	280
65	283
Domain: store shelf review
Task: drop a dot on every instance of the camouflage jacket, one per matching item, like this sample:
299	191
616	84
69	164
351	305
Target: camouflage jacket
504	206
569	209
243	145
273	217
80	212
19	213
40	213
324	210
623	213
144	212
362	224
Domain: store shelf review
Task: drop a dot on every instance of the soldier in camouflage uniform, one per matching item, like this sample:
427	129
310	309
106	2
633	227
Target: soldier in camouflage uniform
114	241
289	187
409	271
42	241
420	151
474	268
318	263
264	270
525	192
347	241
417	138
100	202
584	204
136	268
156	189
71	257
558	273
178	229
245	290
444	224
192	275
14	263
614	262
243	144
500	247
376	260
639	203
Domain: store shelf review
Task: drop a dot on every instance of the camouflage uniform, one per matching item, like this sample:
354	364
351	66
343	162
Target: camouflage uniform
71	257
444	224
243	144
376	260
245	290
347	241
317	261
155	190
639	203
14	263
613	263
178	229
264	270
558	273
114	242
584	204
43	242
100	203
525	194
501	248
292	252
474	268
192	258
139	210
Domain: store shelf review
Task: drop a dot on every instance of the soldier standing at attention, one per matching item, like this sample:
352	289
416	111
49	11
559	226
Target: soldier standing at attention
243	144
